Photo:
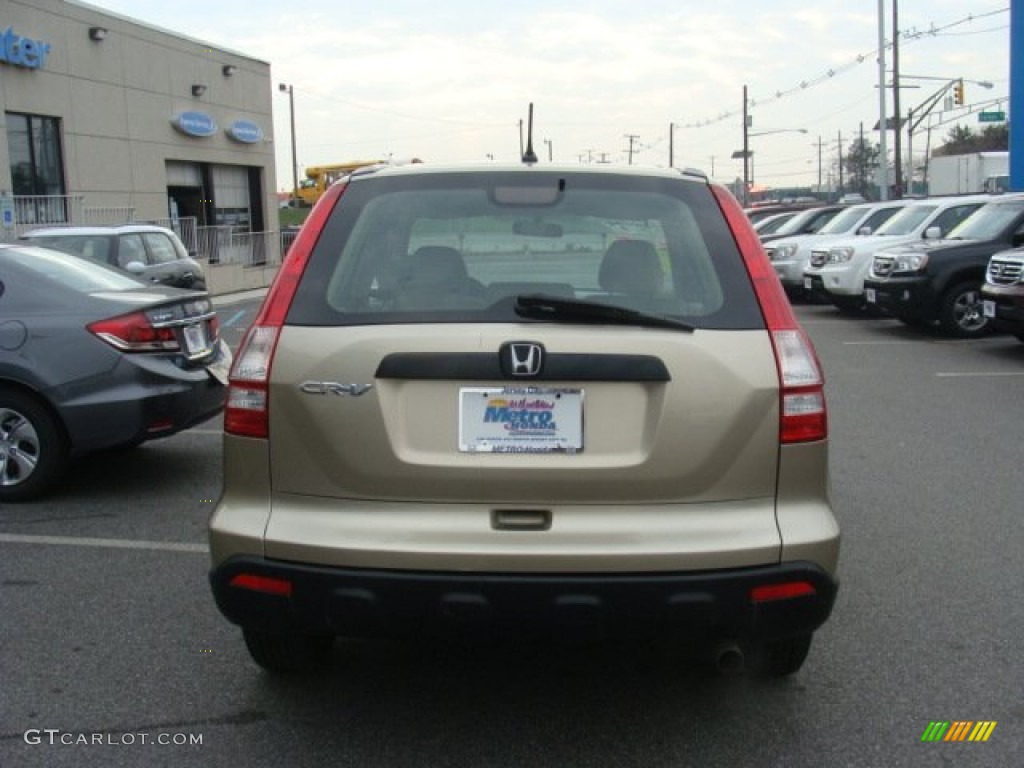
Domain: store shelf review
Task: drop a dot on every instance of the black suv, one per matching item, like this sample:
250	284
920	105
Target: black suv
939	281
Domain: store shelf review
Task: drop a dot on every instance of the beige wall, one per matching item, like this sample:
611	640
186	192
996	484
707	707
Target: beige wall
116	99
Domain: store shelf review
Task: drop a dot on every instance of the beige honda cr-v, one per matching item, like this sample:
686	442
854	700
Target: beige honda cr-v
526	398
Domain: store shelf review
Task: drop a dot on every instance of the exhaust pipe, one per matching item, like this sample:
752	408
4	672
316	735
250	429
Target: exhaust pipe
729	659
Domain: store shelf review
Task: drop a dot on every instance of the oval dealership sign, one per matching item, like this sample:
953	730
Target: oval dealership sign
245	131
198	124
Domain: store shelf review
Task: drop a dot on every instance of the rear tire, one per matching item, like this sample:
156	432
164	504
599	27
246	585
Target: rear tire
33	451
961	314
780	658
287	654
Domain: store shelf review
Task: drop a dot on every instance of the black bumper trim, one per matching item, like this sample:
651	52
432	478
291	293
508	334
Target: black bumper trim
708	605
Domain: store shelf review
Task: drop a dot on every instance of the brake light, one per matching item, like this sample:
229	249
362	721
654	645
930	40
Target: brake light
134	333
803	416
247	410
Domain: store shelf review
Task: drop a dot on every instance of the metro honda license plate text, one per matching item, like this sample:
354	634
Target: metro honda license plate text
520	420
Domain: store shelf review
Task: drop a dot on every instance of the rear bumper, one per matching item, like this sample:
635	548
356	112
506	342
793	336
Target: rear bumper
707	606
141	399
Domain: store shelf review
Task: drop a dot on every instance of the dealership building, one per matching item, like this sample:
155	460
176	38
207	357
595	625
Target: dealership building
106	119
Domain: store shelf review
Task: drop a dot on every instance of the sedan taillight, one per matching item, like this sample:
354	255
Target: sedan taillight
135	333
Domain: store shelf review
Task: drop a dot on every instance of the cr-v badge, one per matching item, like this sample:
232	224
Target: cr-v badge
334	388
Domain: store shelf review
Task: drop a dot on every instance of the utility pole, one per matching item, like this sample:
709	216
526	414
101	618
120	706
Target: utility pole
883	158
896	158
632	139
819	164
284	88
671	136
840	163
550	151
746	151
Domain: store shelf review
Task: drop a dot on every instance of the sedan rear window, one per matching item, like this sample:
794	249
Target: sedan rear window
80	275
461	247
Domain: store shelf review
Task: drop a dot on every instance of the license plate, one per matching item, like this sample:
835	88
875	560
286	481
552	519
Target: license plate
520	420
197	343
808	283
988	308
869	294
221	365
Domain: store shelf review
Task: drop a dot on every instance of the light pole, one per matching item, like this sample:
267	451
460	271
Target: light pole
295	161
748	154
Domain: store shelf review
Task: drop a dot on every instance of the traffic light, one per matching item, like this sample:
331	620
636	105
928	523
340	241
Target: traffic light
958	92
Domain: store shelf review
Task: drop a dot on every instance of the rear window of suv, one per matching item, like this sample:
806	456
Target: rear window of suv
460	247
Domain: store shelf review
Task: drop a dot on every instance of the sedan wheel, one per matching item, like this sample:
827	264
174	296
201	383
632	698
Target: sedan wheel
962	314
32	451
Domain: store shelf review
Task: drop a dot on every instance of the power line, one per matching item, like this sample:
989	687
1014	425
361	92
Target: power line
909	35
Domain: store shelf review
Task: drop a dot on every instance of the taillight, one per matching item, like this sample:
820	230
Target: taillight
134	333
803	416
247	410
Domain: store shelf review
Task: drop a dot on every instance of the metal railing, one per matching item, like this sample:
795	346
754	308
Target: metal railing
108	214
224	245
185	228
35	211
216	245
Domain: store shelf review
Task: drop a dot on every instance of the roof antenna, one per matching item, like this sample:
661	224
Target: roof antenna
529	156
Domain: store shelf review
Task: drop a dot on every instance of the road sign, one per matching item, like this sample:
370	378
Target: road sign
7	211
991	117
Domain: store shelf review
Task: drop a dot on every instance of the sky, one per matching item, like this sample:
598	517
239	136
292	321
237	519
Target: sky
452	80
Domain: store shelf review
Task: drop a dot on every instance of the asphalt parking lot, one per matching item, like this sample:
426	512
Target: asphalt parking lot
114	654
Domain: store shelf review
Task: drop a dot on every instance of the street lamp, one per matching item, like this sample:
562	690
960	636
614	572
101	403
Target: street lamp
295	162
747	154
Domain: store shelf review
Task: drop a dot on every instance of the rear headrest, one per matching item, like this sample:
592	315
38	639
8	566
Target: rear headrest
438	265
631	266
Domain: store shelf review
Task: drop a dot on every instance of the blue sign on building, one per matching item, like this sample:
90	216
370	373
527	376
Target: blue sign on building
197	124
245	131
23	51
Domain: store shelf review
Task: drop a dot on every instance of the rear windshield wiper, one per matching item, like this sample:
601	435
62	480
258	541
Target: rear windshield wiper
574	310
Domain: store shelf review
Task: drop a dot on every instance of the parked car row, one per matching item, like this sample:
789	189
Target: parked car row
940	282
950	262
791	255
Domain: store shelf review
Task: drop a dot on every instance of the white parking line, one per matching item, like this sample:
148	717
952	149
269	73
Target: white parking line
979	374
879	343
71	541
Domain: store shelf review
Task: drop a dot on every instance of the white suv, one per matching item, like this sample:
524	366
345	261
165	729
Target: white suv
837	268
790	256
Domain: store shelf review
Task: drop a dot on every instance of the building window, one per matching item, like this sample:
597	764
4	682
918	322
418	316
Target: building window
37	164
37	169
